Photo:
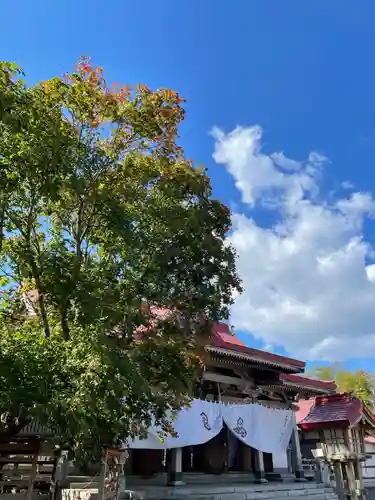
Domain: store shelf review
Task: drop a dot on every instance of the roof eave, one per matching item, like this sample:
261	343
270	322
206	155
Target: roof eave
329	424
226	351
308	388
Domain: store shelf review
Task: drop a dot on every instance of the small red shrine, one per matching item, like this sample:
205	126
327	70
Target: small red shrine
333	429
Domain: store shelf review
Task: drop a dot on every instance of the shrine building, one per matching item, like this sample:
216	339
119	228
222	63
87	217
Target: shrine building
234	375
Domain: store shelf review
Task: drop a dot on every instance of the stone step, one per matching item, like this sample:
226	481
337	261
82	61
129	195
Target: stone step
236	492
200	478
130	495
227	477
235	496
230	478
263	490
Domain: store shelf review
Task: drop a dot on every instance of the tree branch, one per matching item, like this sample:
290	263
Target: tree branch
36	271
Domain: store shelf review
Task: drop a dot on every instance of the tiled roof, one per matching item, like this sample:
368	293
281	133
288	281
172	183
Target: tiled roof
334	409
302	381
223	338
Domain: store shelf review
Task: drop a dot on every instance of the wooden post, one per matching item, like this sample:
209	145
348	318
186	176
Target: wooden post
324	472
32	476
296	451
60	472
122	478
352	483
260	475
103	475
112	463
359	478
339	479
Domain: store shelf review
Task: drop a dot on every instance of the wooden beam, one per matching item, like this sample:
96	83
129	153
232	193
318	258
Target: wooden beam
19	448
25	459
223	379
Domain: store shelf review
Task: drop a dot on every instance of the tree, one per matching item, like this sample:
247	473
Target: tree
360	383
119	239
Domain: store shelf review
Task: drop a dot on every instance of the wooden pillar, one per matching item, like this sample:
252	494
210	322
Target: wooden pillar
289	457
322	472
352	482
122	476
32	477
260	475
103	475
339	479
326	472
359	478
175	468
296	452
60	472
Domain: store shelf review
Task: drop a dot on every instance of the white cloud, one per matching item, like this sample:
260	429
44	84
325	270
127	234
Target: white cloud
306	282
347	185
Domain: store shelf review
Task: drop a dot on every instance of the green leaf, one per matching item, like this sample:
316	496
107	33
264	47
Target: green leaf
101	215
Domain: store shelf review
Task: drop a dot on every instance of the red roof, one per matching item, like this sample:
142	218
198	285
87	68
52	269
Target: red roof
335	410
222	332
223	338
301	381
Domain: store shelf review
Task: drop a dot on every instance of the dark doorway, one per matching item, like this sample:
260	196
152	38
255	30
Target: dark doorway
222	453
268	462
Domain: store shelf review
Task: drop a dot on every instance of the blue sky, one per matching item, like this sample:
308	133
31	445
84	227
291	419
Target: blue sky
302	71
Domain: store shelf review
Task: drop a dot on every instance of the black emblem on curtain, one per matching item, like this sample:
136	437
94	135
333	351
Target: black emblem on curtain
205	422
239	429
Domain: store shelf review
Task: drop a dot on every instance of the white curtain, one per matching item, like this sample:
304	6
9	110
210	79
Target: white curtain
265	429
272	429
238	419
195	425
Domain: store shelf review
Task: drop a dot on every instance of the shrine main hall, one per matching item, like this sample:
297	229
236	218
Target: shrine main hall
242	420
